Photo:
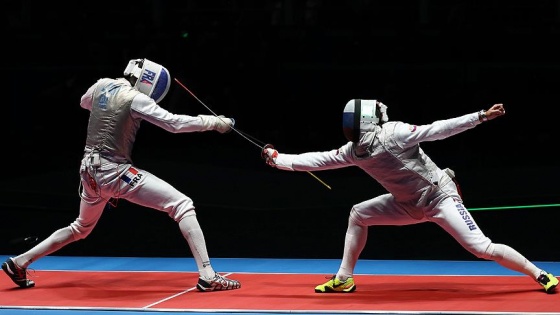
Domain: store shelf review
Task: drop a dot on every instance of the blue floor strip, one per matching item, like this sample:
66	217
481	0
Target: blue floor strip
266	265
258	265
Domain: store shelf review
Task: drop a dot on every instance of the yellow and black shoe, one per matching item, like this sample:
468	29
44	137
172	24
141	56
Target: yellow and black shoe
548	281
334	285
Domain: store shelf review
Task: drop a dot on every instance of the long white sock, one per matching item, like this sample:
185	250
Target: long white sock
354	243
56	241
511	259
190	228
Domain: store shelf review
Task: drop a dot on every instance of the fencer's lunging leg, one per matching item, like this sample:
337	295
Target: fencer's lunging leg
511	259
354	243
469	235
160	195
190	228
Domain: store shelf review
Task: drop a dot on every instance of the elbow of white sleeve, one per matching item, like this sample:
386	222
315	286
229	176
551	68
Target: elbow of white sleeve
284	162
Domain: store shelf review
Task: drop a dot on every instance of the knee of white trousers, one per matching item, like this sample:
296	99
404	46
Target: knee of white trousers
183	209
80	231
483	249
356	218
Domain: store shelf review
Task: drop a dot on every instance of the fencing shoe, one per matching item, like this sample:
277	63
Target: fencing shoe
334	285
218	283
19	275
548	281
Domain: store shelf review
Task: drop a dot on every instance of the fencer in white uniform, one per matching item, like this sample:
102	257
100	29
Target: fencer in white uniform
117	107
418	190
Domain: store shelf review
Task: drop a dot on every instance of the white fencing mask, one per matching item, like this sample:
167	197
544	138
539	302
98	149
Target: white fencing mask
149	78
360	116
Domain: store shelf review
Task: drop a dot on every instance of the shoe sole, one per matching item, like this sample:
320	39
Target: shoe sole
203	289
329	290
551	290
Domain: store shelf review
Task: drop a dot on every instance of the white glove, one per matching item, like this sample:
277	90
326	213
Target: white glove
218	123
270	156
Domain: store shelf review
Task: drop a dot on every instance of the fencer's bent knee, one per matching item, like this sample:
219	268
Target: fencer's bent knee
493	252
484	250
80	231
356	218
184	208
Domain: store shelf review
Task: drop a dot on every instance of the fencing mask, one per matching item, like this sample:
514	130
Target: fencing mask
361	116
149	78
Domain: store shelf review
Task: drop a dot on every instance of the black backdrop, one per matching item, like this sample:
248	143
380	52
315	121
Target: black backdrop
284	70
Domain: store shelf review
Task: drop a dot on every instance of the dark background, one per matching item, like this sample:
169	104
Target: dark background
284	70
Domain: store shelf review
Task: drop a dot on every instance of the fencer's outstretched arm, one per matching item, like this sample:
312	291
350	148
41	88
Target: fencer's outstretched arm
309	161
408	135
144	107
405	135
